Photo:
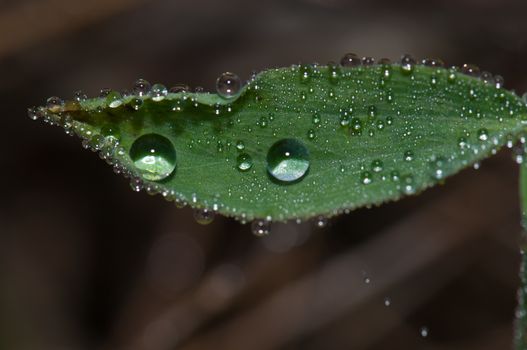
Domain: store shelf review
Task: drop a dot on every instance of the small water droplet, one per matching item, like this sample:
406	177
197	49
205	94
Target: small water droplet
33	113
350	60
240	145
322	221
288	160
499	81
355	126
366	178
423	331
154	156
142	87
204	216
179	88
376	165
407	64
136	103
470	69
408	156
333	73
159	92
54	104
261	228
483	134
244	162
311	134
114	99
228	85
79	96
387	301
316	118
368	61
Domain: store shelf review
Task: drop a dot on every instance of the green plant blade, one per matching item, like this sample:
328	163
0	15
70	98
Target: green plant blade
520	331
359	136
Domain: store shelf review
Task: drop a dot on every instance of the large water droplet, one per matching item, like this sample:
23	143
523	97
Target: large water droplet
288	160
228	85
154	156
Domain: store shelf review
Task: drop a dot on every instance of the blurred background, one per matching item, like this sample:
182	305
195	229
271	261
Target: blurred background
85	263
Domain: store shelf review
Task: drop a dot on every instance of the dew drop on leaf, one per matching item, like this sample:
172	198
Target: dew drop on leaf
142	87
350	60
114	99
228	85
204	216
423	331
53	103
407	64
153	156
288	160
159	92
260	228
244	162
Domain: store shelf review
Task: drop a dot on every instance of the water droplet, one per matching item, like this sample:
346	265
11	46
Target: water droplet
240	145
350	60
33	113
408	184
372	111
204	216
355	126
407	64
499	81
424	331
366	178
322	222
367	280
483	134
244	162
316	118
311	134
154	156
136	103
433	62
159	92
387	301
470	69
179	88
376	165
288	160
79	96
408	156
261	227
368	61
228	85
54	104
142	87
114	99
438	167
334	73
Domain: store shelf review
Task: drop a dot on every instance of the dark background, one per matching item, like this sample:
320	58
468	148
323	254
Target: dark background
85	263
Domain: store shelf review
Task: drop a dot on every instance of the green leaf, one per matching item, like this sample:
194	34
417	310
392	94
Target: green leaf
356	136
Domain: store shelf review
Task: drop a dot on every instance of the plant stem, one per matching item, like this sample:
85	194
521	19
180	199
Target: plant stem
520	332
